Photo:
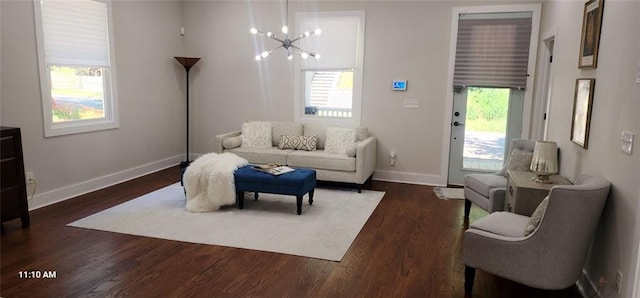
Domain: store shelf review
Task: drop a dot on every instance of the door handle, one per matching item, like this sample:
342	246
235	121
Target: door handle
456	123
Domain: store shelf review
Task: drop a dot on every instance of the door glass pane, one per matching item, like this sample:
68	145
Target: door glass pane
485	128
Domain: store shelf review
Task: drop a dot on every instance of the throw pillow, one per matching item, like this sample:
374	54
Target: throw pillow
256	134
519	160
536	217
338	139
308	143
232	142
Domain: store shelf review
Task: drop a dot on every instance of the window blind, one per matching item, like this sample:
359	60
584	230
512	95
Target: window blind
75	32
336	45
493	50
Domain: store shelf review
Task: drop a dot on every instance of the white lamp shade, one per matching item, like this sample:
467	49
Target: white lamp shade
545	158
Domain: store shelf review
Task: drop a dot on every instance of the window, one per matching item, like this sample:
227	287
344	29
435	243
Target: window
331	87
328	93
76	63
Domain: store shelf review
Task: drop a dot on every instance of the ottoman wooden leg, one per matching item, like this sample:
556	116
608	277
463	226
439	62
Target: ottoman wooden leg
299	204
311	197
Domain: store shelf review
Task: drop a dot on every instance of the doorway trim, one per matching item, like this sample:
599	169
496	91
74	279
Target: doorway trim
544	89
528	96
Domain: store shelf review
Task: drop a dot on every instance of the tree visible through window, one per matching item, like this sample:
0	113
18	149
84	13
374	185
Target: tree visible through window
77	93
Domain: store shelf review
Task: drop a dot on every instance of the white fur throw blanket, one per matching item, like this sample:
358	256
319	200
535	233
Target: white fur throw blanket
209	182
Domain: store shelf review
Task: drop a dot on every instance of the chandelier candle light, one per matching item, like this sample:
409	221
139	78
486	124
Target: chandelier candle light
286	42
545	161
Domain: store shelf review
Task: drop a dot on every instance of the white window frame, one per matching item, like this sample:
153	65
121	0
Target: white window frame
111	119
356	107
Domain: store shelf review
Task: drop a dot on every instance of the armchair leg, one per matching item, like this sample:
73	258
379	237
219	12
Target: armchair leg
469	278
467	208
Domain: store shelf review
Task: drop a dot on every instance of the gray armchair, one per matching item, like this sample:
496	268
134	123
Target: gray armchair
552	256
487	191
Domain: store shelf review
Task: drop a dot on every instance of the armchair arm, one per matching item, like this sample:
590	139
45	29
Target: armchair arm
221	137
366	158
515	258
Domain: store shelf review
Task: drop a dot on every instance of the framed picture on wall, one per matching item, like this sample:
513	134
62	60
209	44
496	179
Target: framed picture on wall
591	24
581	120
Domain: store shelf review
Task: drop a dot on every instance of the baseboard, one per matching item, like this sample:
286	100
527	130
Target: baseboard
586	286
64	193
411	178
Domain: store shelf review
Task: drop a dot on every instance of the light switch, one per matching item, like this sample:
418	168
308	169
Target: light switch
638	75
412	103
627	142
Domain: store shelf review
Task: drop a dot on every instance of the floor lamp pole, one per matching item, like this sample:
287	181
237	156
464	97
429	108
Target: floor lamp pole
186	157
187	62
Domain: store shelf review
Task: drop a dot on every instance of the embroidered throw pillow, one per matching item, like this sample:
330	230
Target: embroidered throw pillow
338	139
519	161
256	134
536	217
308	143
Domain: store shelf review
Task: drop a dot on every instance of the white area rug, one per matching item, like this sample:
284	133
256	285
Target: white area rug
446	193
325	230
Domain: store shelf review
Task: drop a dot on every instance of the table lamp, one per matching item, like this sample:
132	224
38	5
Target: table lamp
545	161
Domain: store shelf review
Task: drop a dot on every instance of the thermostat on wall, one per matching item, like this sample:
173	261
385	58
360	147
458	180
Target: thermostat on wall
399	85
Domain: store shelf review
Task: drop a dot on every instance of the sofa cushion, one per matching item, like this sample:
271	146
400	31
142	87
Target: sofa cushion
352	149
280	128
321	160
362	133
256	134
338	139
316	129
262	155
320	130
307	143
502	223
483	183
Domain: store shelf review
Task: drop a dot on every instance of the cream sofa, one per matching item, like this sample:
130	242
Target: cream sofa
356	166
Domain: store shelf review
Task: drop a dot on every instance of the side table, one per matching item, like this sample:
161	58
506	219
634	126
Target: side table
524	195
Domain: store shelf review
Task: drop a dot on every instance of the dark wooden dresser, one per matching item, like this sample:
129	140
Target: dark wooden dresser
14	189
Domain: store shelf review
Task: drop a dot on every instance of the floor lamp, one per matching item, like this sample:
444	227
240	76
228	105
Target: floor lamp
187	62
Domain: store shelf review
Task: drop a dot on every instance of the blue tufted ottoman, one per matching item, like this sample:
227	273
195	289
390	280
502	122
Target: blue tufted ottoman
296	183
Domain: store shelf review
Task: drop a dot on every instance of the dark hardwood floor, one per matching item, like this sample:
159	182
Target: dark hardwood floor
410	247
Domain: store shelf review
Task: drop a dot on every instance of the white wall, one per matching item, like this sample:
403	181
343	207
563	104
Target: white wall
151	99
616	106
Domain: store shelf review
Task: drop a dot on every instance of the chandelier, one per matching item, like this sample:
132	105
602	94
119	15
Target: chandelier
286	42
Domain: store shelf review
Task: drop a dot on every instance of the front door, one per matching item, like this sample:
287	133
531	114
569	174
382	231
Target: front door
493	60
483	121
